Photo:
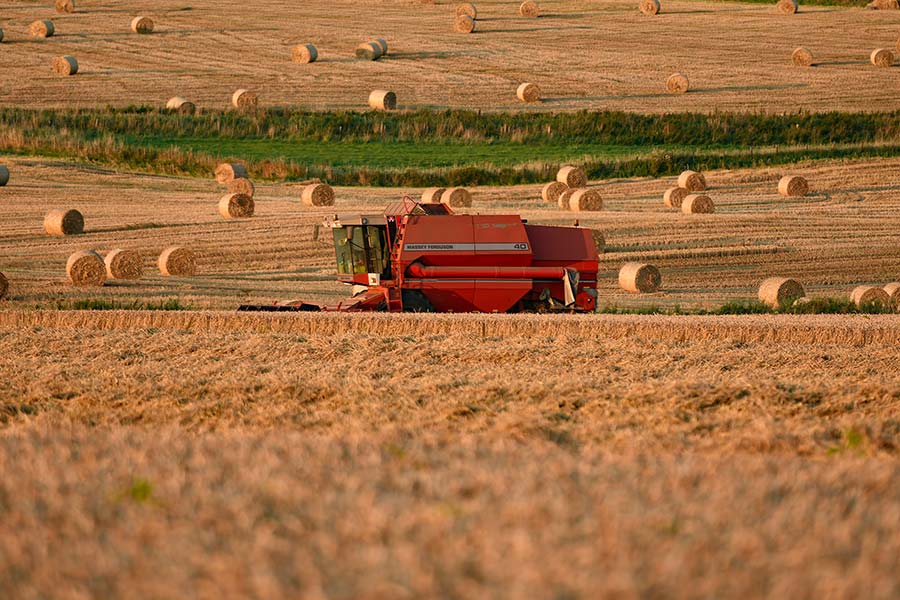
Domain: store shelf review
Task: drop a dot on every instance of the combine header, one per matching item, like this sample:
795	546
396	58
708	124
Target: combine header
419	257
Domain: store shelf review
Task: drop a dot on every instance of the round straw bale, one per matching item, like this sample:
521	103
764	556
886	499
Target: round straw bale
573	177
585	199
893	291
4	175
86	267
382	44
599	240
4	285
124	264
304	53
870	295
529	92
244	99
181	105
551	191
692	181
649	7
464	24
882	57
142	25
63	222
457	197
65	65
883	5
563	201
466	9
639	278
368	51
697	204
793	186
433	195
801	57
225	172
779	291
677	84
241	185
787	7
382	100
41	28
236	206
318	194
673	197
178	262
529	8
65	6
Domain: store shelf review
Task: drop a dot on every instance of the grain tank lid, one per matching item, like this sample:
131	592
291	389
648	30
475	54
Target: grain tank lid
411	207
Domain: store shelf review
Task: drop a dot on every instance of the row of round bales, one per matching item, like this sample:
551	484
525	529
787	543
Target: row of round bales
466	17
780	292
90	268
784	7
569	191
238	203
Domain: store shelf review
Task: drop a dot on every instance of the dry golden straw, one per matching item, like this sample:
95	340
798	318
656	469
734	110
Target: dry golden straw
244	99
86	268
368	51
464	24
236	206
457	197
124	264
692	181
177	262
673	197
573	177
65	6
893	291
599	240
677	84
63	222
65	65
793	186
225	172
529	8
304	53
882	57
241	185
382	100
801	57
585	199
870	295
317	194
779	292
41	28
551	191
433	195
4	285
649	7
787	7
142	25
4	175
466	9
529	92
639	278
563	201
181	105
697	204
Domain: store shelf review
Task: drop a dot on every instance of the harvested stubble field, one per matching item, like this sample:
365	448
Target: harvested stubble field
594	54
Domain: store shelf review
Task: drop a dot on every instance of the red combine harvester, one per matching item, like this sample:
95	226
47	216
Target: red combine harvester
419	257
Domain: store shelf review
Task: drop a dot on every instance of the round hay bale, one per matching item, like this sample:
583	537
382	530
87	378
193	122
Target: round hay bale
893	292
382	100
65	6
304	53
883	5
244	99
457	197
177	261
563	201
787	7
649	7
382	44
433	195
677	84
870	295
882	57
529	8
318	194
65	65
801	57
87	268
639	278
793	186
673	197
696	204
585	199
241	185
778	292
368	51
4	285
226	172
573	177
181	105
236	206
692	181
599	240
42	28
529	92
4	175
551	191
142	25
466	9
464	24
124	264
63	222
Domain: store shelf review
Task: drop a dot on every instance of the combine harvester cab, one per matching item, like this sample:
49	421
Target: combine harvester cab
419	257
